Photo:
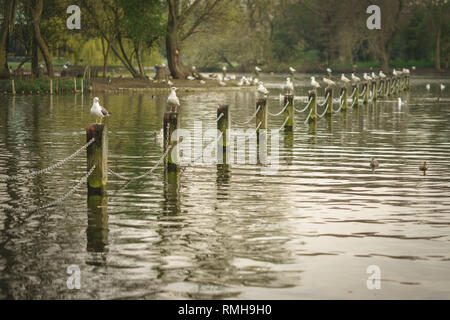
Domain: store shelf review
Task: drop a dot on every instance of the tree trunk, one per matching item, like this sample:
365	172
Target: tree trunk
34	59
8	19
172	41
36	11
438	49
138	51
105	56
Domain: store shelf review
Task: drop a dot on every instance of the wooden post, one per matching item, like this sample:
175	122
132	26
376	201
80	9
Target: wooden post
388	87
97	231
382	82
223	125
261	115
329	103
170	125
344	98
374	91
97	154
13	87
366	88
289	112
51	86
75	84
355	101
81	88
399	83
57	86
408	84
313	105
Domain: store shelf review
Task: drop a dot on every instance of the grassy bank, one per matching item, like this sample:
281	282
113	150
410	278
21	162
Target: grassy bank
42	85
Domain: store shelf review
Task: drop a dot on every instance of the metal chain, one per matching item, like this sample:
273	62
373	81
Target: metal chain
340	107
364	92
309	115
145	174
248	121
282	110
307	106
353	93
324	102
284	123
218	118
56	202
52	167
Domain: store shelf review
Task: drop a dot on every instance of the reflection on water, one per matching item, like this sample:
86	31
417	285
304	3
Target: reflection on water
230	231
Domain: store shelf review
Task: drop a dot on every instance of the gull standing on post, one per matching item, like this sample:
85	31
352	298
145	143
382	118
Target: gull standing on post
98	111
329	82
382	75
172	101
314	83
262	91
345	79
289	86
374	76
355	78
366	77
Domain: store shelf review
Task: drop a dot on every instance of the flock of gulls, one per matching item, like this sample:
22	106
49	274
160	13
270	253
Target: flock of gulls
173	101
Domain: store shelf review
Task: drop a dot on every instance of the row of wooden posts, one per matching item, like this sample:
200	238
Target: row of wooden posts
13	86
97	152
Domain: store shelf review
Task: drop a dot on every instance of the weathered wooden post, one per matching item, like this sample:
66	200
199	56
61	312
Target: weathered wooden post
223	125
355	100
51	86
289	112
366	89
329	102
261	115
170	125
97	231
13	87
408	84
57	86
344	98
97	154
82	86
399	83
374	91
388	87
312	97
75	84
382	82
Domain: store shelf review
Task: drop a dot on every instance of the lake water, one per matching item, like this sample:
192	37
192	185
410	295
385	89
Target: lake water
310	230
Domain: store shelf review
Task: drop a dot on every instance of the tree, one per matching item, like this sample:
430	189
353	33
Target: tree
8	12
184	18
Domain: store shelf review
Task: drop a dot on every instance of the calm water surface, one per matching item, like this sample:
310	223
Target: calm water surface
220	232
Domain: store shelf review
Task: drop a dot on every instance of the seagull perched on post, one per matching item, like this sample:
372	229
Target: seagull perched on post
98	111
314	83
344	79
442	87
329	71
428	87
262	91
289	86
382	75
366	77
355	78
329	82
172	101
292	70
374	76
257	69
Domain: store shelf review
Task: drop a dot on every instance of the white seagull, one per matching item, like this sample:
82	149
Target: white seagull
314	83
329	82
366	77
98	111
262	91
355	78
329	71
428	86
292	70
172	101
442	87
382	75
374	76
257	69
289	86
344	79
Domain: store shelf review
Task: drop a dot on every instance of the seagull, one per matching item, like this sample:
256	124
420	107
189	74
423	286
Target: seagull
428	86
292	70
400	102
170	83
382	75
414	67
442	87
289	86
366	77
98	111
406	71
329	71
172	101
190	78
344	79
194	68
329	82
314	83
202	81
355	78
424	168
374	164
255	81
257	69
262	91
374	76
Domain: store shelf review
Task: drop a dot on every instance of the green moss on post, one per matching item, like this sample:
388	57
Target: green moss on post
343	101
261	115
355	101
97	154
313	106
170	125
329	103
289	112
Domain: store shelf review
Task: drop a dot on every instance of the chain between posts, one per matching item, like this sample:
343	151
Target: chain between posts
307	106
56	202
282	110
248	121
49	169
325	102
